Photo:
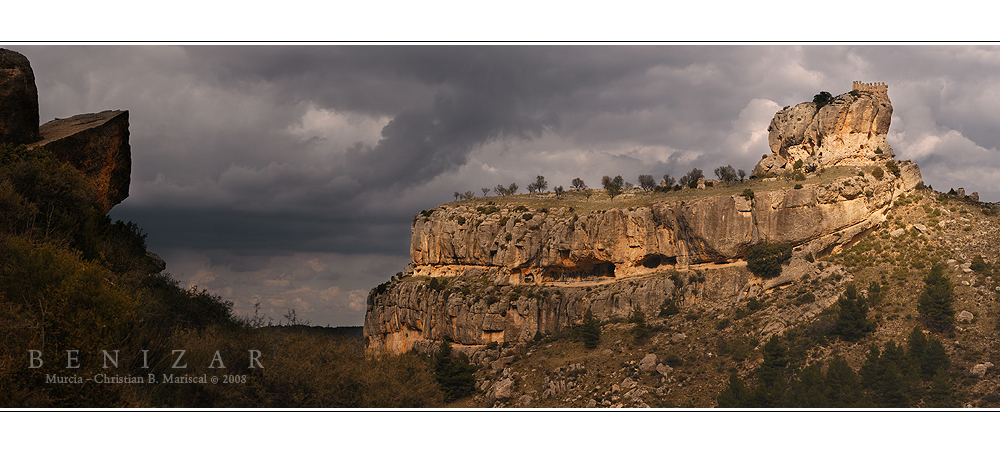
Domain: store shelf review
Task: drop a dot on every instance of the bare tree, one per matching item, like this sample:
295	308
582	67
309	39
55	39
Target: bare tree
647	182
486	191
512	188
669	180
578	184
741	174
500	190
468	195
559	191
457	194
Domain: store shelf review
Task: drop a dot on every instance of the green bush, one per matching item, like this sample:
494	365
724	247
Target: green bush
590	330
806	298
878	173
765	260
893	168
669	308
935	302
852	319
454	375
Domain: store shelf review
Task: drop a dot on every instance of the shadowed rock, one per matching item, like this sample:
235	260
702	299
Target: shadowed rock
97	145
18	99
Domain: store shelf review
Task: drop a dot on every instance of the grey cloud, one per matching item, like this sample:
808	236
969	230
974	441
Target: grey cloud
264	151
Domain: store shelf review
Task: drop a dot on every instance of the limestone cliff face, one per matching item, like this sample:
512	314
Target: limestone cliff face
562	246
501	279
849	130
470	311
97	145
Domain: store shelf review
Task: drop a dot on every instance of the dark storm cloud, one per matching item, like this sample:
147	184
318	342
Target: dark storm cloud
280	151
253	233
211	124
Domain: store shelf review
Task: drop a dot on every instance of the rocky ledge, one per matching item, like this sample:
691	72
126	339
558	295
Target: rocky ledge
97	144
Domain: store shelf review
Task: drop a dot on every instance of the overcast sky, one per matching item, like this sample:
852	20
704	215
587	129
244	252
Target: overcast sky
288	175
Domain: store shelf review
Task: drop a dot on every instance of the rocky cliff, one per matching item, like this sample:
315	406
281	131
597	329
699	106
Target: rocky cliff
849	129
506	269
97	144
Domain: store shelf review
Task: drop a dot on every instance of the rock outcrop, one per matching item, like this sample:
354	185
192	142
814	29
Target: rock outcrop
850	129
501	271
97	144
470	311
18	99
560	245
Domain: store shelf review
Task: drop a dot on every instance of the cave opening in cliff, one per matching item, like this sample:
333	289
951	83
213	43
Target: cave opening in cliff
655	261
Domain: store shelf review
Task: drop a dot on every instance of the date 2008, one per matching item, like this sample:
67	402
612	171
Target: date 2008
234	379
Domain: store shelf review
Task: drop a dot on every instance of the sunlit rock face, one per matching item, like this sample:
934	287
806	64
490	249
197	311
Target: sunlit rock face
849	130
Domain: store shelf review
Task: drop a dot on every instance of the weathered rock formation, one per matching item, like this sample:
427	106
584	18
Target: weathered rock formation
471	311
562	246
506	272
95	143
848	130
18	99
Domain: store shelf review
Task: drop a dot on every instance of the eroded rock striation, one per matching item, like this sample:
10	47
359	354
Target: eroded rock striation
97	144
513	268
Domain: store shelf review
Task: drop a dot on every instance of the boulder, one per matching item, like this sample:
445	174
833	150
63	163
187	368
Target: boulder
18	99
964	316
97	145
648	363
981	368
155	264
664	370
503	389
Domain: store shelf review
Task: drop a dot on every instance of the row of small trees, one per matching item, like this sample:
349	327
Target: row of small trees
617	185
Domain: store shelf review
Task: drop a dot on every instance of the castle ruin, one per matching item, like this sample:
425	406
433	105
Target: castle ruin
874	87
